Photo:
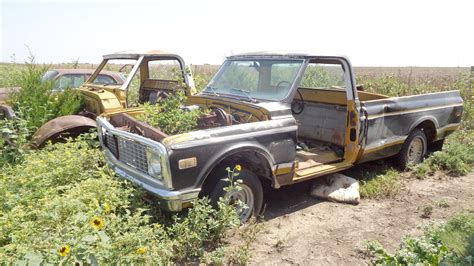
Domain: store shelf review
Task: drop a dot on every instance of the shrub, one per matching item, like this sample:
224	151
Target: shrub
169	116
36	98
14	136
449	244
381	186
443	203
427	211
61	205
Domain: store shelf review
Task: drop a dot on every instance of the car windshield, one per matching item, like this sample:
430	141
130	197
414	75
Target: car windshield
113	71
49	75
261	79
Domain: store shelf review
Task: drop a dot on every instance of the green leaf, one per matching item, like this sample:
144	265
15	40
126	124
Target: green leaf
34	258
89	238
104	237
92	260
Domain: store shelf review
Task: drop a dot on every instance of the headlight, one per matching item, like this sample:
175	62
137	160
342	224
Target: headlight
154	164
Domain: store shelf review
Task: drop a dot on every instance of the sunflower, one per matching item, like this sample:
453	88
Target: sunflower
238	167
141	250
97	223
64	250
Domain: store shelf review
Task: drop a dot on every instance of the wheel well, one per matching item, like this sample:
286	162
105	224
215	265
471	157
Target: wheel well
250	160
429	128
67	133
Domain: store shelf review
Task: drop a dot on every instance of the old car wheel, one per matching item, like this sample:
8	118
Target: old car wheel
250	193
413	150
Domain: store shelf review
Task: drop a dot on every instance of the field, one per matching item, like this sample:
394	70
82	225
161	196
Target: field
62	205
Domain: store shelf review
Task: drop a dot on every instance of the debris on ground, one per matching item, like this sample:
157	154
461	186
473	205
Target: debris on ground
337	187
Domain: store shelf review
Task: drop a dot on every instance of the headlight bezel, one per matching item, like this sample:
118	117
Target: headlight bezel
154	161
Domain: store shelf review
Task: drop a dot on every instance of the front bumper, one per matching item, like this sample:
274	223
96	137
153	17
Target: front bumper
170	200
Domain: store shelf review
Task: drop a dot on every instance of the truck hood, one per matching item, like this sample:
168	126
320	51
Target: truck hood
271	109
278	113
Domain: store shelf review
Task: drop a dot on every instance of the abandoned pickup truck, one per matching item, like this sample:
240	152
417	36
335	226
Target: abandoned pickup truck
284	118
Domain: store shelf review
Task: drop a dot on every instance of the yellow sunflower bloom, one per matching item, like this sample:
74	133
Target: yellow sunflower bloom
97	223
238	167
141	250
64	250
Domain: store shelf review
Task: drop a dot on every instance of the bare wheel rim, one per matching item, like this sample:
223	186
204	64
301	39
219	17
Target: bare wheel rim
415	150
245	195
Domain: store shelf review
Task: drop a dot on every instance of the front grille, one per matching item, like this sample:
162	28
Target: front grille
128	152
111	144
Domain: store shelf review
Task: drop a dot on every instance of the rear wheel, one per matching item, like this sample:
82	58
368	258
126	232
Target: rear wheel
250	193
413	150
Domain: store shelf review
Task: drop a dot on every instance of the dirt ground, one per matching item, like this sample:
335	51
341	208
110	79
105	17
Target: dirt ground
302	230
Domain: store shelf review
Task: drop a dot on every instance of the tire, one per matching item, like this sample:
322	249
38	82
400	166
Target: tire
413	150
251	193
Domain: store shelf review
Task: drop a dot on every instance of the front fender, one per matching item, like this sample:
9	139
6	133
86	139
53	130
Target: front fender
220	156
59	125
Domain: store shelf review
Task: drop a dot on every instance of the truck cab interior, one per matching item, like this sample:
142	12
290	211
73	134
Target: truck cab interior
320	108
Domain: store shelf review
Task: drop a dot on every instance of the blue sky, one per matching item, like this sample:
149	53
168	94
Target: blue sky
371	33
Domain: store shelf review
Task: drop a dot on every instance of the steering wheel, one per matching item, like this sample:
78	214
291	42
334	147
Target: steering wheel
282	83
297	107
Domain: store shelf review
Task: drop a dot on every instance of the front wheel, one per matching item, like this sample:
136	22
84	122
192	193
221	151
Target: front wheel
413	150
250	193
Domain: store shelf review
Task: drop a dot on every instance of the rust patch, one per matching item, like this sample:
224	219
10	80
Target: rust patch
61	127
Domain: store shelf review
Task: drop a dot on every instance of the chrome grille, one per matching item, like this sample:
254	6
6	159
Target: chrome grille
127	151
110	143
133	154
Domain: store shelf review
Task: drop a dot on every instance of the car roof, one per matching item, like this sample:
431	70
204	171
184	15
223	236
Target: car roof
282	55
63	71
133	54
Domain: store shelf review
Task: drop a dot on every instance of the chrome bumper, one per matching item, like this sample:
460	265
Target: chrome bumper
171	200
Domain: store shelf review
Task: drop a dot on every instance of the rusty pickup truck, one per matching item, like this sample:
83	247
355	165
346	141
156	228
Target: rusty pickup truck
284	118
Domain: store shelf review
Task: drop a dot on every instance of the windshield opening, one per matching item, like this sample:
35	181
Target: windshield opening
49	75
115	72
254	79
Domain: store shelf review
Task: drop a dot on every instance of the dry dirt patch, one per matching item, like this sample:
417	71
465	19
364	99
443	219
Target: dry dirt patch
302	230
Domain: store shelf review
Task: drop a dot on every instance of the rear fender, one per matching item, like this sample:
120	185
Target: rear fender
51	130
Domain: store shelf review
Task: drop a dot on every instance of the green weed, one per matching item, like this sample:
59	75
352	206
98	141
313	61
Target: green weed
427	211
456	158
60	205
14	139
36	98
443	203
449	244
169	116
384	185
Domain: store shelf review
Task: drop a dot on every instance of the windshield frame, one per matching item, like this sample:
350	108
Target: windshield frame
127	81
242	96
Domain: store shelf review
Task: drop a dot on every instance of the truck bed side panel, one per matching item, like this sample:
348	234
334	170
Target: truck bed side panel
391	120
